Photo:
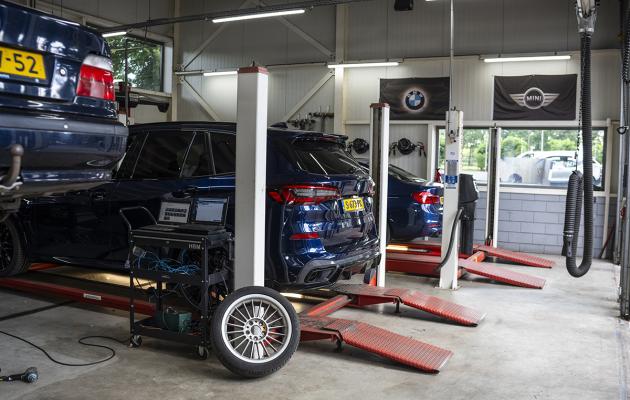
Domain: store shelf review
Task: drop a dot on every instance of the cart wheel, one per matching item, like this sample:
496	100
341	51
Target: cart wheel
254	331
136	341
202	352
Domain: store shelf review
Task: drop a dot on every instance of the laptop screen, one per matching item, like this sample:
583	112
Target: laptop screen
210	211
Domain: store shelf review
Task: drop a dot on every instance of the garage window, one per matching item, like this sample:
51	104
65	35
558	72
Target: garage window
145	61
547	157
473	159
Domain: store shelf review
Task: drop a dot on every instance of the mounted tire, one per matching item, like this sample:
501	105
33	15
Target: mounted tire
13	260
255	331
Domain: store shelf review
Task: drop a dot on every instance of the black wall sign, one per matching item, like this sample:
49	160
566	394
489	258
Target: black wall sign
415	98
535	97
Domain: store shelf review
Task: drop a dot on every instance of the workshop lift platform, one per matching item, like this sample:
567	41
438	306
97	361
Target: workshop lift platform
425	259
316	323
515	256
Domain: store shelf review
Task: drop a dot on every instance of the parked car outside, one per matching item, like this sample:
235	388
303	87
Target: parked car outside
414	205
57	102
313	239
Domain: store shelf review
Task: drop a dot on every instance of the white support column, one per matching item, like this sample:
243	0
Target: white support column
340	73
432	144
494	189
379	164
251	177
453	131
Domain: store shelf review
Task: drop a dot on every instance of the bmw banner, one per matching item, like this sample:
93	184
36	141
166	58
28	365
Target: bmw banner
416	98
535	97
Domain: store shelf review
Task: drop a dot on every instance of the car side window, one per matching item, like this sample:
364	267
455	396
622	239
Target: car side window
223	152
128	162
162	155
198	159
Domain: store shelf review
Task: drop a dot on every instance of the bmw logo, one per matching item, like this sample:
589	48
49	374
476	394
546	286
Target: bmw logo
415	100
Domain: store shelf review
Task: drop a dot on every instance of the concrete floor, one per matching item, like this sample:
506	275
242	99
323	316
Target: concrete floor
562	342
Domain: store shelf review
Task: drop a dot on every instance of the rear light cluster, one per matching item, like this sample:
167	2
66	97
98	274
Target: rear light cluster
425	198
96	78
304	194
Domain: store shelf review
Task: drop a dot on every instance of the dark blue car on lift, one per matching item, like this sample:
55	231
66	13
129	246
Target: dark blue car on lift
57	103
320	225
414	205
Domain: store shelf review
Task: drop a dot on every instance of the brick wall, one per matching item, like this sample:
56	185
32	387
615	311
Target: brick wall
534	223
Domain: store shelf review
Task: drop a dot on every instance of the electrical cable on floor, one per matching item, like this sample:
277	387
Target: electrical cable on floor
81	341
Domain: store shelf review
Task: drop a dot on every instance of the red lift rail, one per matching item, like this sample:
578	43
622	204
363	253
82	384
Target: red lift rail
315	325
515	256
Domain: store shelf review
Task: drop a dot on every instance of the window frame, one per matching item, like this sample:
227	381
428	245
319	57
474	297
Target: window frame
541	189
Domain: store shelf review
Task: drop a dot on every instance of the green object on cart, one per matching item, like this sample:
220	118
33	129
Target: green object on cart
173	320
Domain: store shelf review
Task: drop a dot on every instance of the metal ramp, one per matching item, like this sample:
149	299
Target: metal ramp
315	325
503	275
426	265
515	256
363	295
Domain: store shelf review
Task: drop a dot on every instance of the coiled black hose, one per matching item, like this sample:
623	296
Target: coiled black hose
451	240
626	48
581	184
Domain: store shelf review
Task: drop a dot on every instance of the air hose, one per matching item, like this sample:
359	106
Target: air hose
581	184
451	240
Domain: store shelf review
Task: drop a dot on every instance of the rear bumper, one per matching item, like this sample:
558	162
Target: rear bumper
61	154
322	272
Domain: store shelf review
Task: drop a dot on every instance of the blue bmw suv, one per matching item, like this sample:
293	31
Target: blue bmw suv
58	119
320	225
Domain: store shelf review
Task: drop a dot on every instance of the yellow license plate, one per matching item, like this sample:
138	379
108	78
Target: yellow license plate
353	205
22	63
441	199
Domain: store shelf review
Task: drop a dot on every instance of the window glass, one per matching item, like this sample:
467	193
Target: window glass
198	159
162	155
473	158
404	175
128	162
224	153
144	61
547	157
322	157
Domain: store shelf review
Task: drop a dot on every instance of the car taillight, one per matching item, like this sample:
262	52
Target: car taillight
96	78
304	236
304	194
425	198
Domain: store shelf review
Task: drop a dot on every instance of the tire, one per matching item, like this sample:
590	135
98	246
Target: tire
13	260
238	316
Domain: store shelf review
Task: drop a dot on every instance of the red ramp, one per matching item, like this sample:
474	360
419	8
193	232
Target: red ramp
515	256
363	295
402	349
502	275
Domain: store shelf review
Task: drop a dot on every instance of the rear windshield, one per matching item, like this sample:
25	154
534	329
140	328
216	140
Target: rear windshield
403	175
321	157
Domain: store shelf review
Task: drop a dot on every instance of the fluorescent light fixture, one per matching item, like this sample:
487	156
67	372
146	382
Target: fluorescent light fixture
293	295
530	58
365	65
113	34
259	15
397	247
220	73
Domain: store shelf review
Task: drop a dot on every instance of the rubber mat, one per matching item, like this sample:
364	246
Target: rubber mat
402	349
502	275
434	305
515	256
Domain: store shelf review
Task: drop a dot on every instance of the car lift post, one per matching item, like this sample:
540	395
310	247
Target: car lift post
453	132
492	195
251	177
379	163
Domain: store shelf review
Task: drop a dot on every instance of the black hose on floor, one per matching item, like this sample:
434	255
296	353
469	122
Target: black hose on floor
581	184
451	240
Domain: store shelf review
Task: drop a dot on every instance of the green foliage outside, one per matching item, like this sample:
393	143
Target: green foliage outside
145	62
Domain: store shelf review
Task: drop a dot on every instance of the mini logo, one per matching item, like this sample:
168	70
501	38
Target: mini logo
415	100
534	98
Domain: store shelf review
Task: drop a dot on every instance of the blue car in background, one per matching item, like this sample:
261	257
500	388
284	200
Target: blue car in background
320	225
57	102
414	206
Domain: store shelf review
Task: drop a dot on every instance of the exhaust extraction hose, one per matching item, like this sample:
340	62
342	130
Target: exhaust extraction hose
581	184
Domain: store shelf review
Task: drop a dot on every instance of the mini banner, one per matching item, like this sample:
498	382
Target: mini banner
535	97
415	98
